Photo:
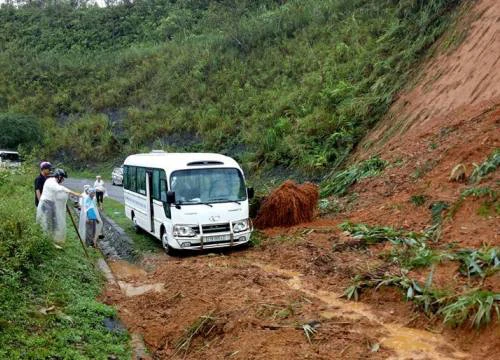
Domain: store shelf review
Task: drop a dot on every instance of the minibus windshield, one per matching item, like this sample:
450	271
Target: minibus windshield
212	185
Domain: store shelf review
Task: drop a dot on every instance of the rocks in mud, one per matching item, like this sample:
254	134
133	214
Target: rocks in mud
116	244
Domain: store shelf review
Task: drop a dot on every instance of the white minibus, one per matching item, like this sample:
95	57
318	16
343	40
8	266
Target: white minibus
190	201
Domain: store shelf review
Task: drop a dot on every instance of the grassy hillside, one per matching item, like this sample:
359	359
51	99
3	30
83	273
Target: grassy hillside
293	84
48	306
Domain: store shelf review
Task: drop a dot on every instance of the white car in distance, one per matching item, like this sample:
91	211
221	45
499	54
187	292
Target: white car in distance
117	176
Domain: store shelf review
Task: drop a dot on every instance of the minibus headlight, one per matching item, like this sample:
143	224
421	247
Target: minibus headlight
240	225
184	230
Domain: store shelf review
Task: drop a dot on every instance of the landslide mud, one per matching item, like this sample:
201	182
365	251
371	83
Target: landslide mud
289	204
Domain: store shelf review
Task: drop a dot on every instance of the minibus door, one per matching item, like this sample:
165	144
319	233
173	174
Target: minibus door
149	200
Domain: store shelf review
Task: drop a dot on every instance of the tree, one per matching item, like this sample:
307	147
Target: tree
18	129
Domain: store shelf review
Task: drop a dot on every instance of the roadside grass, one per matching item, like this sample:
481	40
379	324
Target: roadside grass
142	241
105	173
48	306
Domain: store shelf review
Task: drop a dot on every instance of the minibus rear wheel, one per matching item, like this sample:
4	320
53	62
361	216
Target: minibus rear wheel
136	226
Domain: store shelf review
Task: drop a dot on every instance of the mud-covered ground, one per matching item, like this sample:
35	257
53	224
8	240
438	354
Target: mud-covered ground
255	304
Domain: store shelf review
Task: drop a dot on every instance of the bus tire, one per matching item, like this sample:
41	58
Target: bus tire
164	242
136	227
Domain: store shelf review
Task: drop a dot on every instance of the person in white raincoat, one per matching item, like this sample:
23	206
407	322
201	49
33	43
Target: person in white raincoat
51	210
90	225
83	194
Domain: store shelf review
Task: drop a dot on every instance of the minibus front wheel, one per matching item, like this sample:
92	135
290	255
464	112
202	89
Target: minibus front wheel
164	241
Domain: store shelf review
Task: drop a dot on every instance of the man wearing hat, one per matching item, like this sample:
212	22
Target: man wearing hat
45	168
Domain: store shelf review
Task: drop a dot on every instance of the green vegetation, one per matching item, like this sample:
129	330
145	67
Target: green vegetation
482	262
339	183
18	129
410	250
476	305
418	200
492	200
48	306
486	167
292	83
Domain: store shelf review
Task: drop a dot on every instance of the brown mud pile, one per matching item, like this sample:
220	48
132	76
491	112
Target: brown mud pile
290	204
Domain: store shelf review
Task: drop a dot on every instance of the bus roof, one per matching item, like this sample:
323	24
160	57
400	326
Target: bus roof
177	161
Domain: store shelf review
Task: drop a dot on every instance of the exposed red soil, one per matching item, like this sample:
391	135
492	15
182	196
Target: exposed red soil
258	299
289	204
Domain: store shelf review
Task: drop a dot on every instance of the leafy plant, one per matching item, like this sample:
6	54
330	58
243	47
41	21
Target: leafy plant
418	200
377	234
476	192
477	305
486	167
339	183
478	262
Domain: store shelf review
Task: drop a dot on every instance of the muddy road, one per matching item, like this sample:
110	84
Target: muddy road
279	300
114	192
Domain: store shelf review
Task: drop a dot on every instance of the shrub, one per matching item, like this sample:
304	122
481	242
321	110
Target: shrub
18	129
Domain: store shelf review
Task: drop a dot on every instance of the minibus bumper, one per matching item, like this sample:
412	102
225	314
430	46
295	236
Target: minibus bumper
212	242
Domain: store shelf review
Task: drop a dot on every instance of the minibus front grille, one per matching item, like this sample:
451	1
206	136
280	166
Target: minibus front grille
215	228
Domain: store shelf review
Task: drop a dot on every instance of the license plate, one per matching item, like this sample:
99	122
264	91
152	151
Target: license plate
215	238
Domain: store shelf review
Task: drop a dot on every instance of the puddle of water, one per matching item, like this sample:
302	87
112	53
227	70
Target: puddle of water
406	342
131	290
123	269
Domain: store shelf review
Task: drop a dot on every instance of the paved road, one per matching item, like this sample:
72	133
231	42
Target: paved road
114	192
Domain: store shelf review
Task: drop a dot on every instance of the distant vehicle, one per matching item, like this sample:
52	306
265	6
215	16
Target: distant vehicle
189	201
117	176
9	159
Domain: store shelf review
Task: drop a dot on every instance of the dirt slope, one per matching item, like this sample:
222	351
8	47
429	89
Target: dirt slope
253	304
458	79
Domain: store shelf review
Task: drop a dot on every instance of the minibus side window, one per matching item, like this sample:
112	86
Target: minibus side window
163	193
125	178
132	178
156	184
141	180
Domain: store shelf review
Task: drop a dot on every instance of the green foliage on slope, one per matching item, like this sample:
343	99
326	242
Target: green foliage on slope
272	82
48	306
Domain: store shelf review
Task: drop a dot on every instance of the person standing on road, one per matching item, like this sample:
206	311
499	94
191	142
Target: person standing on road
45	167
100	190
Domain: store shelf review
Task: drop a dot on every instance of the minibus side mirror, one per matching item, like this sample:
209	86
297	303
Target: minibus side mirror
251	192
170	197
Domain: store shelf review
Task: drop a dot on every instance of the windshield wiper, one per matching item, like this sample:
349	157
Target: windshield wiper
194	203
227	200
